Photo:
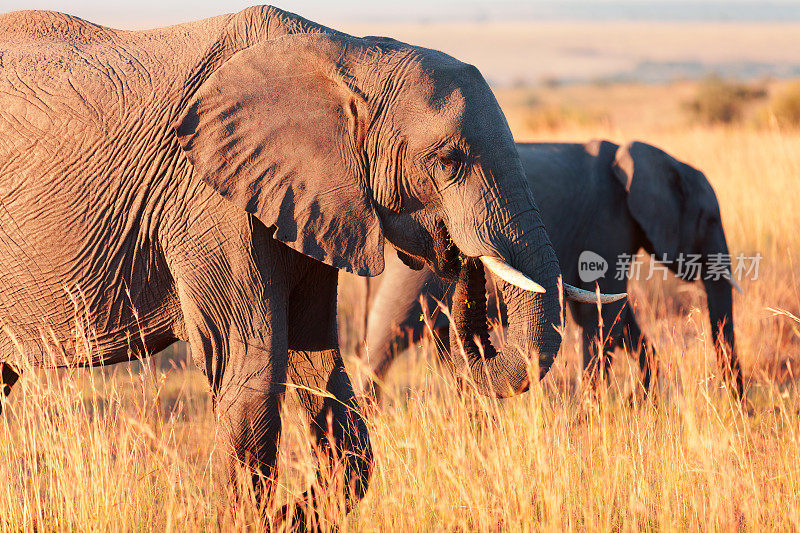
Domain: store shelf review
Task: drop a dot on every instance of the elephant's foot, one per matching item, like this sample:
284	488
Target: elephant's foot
304	514
8	377
341	482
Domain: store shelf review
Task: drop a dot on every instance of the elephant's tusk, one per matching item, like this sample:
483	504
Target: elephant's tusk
510	274
588	297
733	282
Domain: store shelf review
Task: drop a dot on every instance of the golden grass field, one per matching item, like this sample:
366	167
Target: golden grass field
132	447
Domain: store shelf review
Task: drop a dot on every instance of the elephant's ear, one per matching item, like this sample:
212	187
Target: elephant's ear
279	131
655	198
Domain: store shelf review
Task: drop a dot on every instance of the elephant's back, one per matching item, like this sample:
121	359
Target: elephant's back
70	88
45	49
51	26
562	174
549	163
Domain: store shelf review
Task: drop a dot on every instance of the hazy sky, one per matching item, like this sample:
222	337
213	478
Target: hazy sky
167	11
144	13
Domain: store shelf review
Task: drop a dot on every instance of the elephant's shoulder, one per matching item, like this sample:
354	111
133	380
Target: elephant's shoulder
51	26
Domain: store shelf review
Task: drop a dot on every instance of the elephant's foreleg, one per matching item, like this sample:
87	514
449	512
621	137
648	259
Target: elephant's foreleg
341	439
596	358
395	319
441	340
248	416
326	395
232	280
248	383
600	339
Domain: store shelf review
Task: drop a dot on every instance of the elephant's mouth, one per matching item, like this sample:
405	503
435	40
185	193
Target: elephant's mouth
445	253
442	255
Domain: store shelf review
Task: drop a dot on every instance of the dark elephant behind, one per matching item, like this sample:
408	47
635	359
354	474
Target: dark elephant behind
611	201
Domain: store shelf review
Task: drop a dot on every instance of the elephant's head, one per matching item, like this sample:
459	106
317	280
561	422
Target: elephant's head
677	210
339	143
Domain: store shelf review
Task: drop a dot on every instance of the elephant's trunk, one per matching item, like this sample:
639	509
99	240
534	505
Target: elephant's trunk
510	230
533	320
720	314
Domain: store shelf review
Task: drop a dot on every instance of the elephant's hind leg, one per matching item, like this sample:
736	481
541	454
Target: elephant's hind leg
8	377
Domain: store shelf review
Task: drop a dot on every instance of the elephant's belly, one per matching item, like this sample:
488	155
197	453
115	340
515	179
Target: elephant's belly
66	332
65	329
91	310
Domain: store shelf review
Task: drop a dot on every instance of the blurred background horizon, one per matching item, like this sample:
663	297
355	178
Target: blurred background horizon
147	12
516	43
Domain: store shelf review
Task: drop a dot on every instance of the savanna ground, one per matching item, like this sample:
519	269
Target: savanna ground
132	447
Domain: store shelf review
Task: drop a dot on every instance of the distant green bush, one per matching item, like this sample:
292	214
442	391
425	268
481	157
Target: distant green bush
722	102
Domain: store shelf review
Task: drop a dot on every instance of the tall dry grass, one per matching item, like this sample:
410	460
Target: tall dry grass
133	448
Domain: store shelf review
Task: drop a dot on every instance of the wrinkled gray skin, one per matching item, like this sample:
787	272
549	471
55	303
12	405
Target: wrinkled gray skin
207	181
601	197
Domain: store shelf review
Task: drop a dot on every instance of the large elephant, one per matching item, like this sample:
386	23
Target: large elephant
207	181
621	199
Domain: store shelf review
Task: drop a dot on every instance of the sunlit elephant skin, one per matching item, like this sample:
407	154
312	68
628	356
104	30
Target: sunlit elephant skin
208	181
600	197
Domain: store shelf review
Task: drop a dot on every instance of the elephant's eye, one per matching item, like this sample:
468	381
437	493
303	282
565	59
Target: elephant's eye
452	161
